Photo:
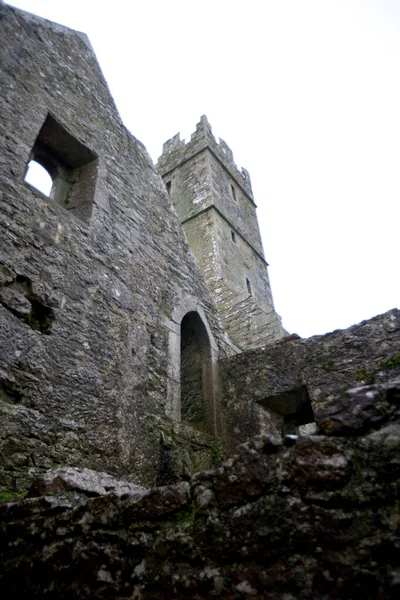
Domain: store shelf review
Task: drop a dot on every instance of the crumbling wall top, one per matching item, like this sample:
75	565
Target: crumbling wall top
45	23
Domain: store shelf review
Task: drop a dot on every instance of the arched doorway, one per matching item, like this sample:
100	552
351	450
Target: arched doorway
197	393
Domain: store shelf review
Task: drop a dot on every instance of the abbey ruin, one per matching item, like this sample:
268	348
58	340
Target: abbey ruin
162	435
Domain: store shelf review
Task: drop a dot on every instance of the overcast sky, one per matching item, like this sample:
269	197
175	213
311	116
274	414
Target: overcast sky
307	95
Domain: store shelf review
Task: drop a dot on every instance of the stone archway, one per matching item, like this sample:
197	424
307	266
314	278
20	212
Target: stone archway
190	315
196	372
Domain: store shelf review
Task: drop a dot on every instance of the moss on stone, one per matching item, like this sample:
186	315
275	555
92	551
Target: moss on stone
391	363
218	455
11	496
325	362
367	378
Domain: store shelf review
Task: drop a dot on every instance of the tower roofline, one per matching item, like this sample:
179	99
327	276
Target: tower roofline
177	151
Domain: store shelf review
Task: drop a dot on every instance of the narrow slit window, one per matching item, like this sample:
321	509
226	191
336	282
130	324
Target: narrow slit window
248	284
168	185
233	236
233	192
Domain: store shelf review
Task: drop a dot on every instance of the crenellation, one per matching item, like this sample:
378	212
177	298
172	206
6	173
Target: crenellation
173	143
226	150
203	129
177	151
246	176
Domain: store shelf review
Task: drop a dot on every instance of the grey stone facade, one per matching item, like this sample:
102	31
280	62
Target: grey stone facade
215	205
94	281
113	354
117	374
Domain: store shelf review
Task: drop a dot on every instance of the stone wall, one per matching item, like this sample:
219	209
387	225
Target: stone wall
314	517
92	295
274	388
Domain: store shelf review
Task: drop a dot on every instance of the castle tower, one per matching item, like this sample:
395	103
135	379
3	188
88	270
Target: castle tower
215	205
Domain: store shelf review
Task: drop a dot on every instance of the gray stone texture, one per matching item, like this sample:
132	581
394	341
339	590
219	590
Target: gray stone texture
117	375
215	204
268	389
315	517
75	483
92	292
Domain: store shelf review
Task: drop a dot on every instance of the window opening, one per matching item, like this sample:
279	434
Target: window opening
294	407
248	284
298	413
233	236
39	178
233	192
168	186
71	166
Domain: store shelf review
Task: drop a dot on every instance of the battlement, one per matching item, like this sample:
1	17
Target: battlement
177	151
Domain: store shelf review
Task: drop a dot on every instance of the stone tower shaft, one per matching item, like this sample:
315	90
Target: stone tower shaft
215	204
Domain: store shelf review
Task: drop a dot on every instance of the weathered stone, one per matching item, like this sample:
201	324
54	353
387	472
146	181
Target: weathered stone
95	279
160	501
359	409
82	482
110	348
318	519
321	463
245	475
279	387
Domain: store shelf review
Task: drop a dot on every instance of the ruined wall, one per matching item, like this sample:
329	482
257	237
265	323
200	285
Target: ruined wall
215	204
313	517
273	388
92	295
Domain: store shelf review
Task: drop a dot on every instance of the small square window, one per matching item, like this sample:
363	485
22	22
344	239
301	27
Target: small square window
71	166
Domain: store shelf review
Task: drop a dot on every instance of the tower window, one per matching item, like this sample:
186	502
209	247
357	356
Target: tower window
233	236
248	284
233	192
70	165
168	186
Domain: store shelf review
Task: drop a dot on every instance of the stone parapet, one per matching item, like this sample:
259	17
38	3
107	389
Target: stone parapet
177	151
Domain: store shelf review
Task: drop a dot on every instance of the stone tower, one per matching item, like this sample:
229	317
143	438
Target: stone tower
215	205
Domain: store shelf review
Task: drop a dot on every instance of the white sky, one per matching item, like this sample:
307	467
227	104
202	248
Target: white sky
307	95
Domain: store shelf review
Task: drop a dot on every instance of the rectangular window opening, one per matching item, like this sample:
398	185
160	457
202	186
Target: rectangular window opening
71	166
233	236
233	192
168	185
248	284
